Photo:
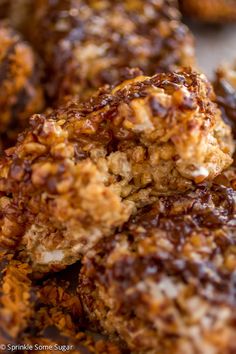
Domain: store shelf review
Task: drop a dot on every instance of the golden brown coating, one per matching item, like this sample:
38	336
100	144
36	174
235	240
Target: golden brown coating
167	282
21	94
58	305
58	318
81	171
225	89
46	313
87	44
210	10
16	295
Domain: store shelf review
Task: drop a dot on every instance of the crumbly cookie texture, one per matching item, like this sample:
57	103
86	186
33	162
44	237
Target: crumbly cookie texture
87	44
21	94
210	10
225	89
44	313
58	318
166	282
81	171
16	306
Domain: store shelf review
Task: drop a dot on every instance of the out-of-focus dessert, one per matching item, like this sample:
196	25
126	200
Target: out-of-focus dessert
216	11
4	5
87	44
80	172
21	93
225	88
166	283
16	13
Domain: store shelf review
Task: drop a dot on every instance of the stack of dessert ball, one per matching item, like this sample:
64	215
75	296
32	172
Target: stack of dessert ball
117	180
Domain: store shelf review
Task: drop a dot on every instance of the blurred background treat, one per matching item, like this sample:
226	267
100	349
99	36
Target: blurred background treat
86	44
58	20
225	89
213	23
16	12
215	45
4	8
212	11
21	93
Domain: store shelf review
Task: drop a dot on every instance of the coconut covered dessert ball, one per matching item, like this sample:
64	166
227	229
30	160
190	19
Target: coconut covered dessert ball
87	44
166	282
79	172
216	11
21	93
